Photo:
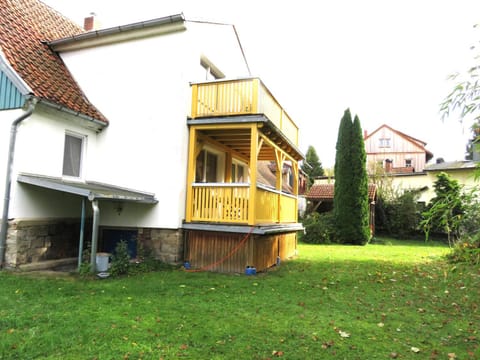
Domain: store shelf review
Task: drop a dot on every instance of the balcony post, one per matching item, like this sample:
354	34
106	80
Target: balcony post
253	174
194	101
190	172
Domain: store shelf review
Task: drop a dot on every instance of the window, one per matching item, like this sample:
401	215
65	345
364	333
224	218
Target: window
206	167
211	71
238	173
384	142
408	162
72	155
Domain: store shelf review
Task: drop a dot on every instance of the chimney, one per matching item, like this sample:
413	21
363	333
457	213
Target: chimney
91	22
365	134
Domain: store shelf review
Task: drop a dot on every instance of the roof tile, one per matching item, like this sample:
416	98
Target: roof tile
25	27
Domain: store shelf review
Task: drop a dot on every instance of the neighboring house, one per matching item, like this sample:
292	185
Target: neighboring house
135	133
463	171
395	151
320	198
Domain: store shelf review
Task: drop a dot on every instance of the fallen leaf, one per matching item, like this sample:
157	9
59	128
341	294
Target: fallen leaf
452	356
415	349
344	334
380	324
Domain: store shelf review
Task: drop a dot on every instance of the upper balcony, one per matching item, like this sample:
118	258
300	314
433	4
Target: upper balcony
247	96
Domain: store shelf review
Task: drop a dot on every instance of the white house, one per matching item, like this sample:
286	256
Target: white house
94	132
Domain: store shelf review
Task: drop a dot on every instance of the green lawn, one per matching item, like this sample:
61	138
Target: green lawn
392	300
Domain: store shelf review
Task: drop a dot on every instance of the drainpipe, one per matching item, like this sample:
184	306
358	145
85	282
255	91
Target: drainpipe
8	177
82	231
96	216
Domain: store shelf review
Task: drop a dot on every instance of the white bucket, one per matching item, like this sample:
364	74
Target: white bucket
102	262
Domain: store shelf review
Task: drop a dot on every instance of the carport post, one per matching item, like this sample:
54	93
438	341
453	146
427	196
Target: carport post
96	215
82	231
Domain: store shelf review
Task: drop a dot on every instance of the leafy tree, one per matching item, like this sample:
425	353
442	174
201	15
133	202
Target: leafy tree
464	100
351	183
445	210
312	165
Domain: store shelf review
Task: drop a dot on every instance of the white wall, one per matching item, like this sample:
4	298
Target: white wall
39	150
142	87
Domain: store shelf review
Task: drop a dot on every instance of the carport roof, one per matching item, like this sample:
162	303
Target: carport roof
90	189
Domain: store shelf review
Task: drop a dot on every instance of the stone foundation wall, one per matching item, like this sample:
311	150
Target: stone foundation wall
30	241
166	244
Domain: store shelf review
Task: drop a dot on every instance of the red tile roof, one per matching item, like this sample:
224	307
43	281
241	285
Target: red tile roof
25	27
325	192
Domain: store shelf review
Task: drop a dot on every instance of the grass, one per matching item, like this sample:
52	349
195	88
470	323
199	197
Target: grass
389	300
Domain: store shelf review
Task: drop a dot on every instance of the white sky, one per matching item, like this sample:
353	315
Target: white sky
386	60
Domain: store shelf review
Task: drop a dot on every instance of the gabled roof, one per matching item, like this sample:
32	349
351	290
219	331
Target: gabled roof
417	142
325	192
25	28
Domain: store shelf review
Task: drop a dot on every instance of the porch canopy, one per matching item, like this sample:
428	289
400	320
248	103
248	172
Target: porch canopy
93	191
89	189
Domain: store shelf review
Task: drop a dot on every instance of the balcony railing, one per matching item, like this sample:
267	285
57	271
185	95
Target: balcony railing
229	203
241	97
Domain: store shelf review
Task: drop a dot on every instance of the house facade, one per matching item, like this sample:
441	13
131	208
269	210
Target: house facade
133	133
395	152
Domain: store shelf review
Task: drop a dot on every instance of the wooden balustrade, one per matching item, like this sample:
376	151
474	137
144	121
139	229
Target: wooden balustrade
241	97
229	203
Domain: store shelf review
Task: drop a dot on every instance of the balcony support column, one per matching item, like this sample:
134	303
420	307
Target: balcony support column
253	173
192	158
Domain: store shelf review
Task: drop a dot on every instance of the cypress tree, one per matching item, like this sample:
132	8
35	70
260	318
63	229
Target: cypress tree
350	203
360	214
342	200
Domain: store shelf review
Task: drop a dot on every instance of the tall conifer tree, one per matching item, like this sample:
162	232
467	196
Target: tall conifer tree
360	215
351	183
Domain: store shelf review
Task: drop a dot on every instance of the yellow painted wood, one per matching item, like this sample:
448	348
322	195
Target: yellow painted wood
194	100
239	97
220	203
190	173
228	167
253	172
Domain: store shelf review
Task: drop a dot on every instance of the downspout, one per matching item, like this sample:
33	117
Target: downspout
96	216
8	177
82	231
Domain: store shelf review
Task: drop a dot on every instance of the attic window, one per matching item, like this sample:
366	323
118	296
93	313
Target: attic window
384	142
211	71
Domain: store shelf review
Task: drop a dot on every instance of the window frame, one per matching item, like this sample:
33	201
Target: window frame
81	159
384	142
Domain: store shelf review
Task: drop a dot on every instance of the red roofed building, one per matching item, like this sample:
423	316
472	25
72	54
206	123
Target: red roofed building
395	152
320	198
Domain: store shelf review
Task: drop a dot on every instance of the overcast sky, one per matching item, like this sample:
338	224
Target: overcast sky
386	60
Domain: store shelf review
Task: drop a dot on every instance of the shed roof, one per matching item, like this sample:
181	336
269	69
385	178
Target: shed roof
89	189
325	192
25	28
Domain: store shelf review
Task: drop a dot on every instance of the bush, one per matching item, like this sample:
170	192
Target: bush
319	228
467	250
399	216
120	260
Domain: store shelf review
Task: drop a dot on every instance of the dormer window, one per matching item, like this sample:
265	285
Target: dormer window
73	155
384	142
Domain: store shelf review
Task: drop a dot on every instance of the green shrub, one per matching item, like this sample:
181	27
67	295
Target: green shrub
120	260
466	250
319	228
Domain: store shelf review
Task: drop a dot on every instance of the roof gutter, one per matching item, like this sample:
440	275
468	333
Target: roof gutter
98	124
8	178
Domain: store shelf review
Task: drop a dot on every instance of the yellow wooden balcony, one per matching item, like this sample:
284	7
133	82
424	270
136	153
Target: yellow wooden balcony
241	97
231	203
